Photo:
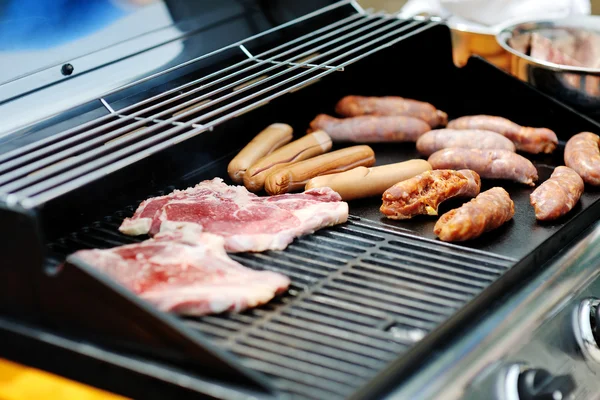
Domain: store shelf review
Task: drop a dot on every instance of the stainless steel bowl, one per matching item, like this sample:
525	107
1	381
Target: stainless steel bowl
576	86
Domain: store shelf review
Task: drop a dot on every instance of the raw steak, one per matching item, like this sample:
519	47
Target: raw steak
246	221
187	272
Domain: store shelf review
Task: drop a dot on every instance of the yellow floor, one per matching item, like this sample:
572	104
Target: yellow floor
18	382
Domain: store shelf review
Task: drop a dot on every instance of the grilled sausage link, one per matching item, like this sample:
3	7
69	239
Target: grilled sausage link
425	192
304	148
558	195
295	176
364	182
583	155
438	139
353	106
371	129
491	164
530	140
268	140
488	211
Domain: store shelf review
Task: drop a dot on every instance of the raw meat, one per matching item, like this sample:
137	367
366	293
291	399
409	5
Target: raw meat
186	272
246	221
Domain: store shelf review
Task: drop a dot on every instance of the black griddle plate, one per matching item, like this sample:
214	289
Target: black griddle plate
514	239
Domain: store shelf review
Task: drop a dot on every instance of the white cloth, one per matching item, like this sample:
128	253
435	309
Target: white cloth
494	12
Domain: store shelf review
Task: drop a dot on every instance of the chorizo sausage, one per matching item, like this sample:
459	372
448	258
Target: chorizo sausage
583	156
424	193
491	164
438	139
558	195
371	129
267	141
295	176
530	140
353	106
488	211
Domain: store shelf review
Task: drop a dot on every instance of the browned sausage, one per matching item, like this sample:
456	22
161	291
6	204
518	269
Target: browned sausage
304	148
484	213
531	140
558	195
295	176
353	106
438	139
424	193
371	129
267	141
583	155
491	164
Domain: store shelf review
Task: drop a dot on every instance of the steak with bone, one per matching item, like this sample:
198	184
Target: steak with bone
246	221
187	272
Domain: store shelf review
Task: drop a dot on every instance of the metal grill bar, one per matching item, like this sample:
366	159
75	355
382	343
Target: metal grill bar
279	64
103	138
54	187
86	134
68	181
43	144
346	318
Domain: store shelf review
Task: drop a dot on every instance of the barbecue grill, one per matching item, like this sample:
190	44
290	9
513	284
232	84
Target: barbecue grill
372	303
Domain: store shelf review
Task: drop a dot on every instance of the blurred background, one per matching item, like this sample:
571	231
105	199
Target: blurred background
395	5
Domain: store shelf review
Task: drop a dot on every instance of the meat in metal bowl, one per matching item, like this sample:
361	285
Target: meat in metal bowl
560	57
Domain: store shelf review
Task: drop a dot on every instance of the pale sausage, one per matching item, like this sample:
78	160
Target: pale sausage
438	139
353	106
558	195
583	155
530	140
371	129
491	164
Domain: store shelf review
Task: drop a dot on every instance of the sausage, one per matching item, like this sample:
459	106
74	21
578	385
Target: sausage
295	176
438	139
488	211
371	129
270	139
583	155
364	182
306	147
530	140
492	164
425	192
353	106
558	195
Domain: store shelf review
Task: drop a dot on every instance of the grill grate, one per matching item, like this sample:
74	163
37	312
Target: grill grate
361	296
80	155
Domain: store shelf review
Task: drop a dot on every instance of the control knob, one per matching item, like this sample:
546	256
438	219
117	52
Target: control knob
539	384
586	327
522	382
